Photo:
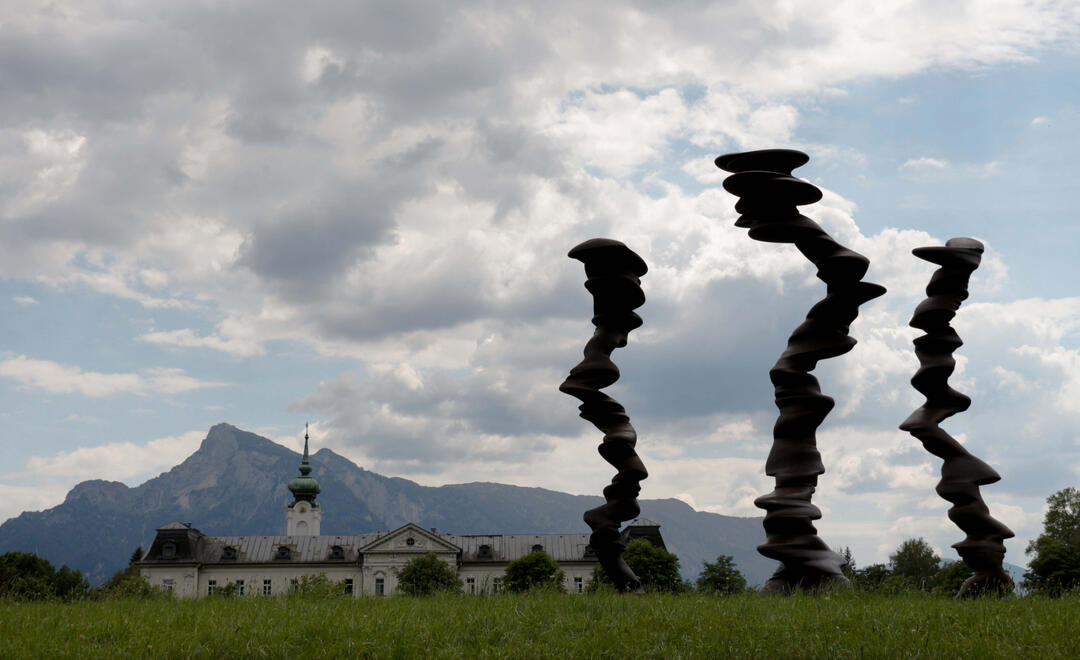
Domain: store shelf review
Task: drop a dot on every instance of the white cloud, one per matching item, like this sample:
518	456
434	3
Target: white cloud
118	461
24	300
923	164
58	378
37	497
187	338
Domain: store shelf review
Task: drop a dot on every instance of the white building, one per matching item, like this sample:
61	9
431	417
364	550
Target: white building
191	564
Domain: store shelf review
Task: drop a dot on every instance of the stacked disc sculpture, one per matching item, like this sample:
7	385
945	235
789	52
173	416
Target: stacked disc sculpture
961	473
613	274
768	199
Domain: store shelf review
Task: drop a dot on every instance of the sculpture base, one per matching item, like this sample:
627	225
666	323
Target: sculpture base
986	584
786	583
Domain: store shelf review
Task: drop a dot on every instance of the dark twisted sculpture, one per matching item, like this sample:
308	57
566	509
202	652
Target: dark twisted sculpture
961	473
768	197
613	271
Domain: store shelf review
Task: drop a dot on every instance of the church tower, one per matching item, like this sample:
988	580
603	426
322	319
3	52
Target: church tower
304	515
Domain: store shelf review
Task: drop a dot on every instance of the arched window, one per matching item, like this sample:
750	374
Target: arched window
538	548
228	553
337	552
283	552
483	552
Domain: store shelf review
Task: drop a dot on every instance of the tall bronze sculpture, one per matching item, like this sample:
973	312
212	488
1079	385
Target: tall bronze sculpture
768	199
614	278
961	473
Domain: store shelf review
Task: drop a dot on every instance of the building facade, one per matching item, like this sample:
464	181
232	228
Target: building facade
190	564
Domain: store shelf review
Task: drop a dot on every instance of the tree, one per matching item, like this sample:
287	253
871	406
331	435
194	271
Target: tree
849	564
536	570
1055	567
916	561
426	575
721	577
26	576
657	568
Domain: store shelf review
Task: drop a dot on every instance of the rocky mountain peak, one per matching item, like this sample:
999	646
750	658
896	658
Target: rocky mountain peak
97	491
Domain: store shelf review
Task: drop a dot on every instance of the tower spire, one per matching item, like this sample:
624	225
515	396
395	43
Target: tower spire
304	461
304	487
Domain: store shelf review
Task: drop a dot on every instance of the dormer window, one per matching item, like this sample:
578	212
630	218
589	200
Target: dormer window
483	552
589	552
538	548
283	552
228	553
337	552
168	550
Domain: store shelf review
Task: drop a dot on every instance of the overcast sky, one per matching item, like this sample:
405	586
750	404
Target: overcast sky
357	214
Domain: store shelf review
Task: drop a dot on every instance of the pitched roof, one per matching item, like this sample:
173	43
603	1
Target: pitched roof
176	525
508	547
257	549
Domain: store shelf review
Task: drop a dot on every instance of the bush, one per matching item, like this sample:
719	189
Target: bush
721	577
127	583
948	580
870	578
537	570
657	569
426	575
314	586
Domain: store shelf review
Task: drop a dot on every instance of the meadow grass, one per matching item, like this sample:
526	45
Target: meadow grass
838	625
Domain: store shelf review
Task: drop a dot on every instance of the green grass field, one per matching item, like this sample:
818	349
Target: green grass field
840	625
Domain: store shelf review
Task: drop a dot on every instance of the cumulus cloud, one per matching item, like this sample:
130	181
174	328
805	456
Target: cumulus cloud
923	164
24	301
31	373
115	461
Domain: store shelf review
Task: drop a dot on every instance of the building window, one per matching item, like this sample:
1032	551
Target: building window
348	586
589	552
294	585
168	550
538	548
167	585
497	585
239	587
283	552
579	585
470	585
268	587
380	587
211	587
228	553
483	552
337	552
410	541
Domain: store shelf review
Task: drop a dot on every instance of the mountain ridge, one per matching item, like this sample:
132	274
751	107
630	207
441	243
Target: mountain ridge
235	483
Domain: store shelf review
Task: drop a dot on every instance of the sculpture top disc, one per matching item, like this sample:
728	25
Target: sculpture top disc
770	160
